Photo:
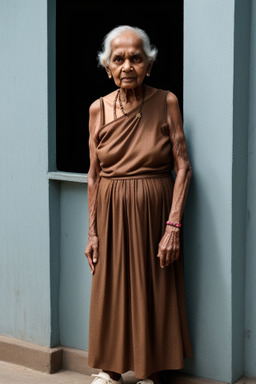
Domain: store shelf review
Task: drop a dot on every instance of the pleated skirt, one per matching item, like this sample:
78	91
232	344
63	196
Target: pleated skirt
138	318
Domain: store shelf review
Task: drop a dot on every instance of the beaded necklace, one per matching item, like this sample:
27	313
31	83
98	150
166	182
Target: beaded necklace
118	96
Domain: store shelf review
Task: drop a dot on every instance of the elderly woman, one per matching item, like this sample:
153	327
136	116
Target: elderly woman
137	312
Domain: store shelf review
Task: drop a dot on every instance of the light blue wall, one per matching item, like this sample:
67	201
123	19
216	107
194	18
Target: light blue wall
208	122
75	277
219	102
250	276
24	202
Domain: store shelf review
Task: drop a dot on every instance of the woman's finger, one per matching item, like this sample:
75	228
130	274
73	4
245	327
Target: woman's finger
88	254
95	255
172	256
161	256
88	251
176	252
91	265
91	252
167	258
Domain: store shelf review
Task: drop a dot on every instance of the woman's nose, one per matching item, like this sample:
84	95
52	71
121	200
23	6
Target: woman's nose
127	66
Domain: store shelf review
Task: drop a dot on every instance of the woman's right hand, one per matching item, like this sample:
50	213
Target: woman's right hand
91	252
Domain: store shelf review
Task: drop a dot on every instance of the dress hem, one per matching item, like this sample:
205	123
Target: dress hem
140	376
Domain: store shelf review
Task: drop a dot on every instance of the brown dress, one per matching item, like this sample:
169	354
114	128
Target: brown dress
137	313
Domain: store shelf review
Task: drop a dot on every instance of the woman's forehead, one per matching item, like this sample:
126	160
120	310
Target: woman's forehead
127	41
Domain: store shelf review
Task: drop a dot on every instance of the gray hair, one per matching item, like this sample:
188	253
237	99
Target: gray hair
104	55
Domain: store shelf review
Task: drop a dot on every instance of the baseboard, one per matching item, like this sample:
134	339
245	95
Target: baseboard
77	360
48	360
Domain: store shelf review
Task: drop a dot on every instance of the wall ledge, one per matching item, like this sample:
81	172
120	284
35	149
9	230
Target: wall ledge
33	356
68	176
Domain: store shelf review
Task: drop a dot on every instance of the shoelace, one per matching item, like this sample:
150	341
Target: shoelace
103	378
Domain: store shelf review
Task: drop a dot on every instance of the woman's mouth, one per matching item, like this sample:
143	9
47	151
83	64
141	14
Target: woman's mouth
128	78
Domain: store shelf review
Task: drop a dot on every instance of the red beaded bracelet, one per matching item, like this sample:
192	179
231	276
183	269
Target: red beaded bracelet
178	225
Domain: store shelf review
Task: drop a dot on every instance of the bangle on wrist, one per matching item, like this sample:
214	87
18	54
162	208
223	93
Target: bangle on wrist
177	225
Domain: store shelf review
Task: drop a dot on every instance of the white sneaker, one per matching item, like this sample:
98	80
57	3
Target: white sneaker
145	381
104	378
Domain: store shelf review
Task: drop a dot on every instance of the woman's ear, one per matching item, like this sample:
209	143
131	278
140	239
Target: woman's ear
108	71
149	68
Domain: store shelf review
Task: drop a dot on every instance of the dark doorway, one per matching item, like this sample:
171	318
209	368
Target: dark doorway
80	29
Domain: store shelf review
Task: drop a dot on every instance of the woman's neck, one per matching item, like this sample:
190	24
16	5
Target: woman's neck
132	95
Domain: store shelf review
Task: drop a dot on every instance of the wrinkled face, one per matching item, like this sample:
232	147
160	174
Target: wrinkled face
128	63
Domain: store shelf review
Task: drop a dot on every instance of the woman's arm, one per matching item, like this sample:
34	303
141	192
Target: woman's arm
169	246
93	178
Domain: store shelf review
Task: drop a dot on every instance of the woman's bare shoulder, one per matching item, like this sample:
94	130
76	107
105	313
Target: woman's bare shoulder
94	108
109	98
172	99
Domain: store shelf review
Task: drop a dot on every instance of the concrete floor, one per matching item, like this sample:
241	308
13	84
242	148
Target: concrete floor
16	374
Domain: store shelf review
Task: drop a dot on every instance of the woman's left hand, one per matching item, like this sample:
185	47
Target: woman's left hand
169	246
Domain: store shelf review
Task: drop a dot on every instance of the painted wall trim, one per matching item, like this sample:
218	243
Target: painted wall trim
33	356
241	80
68	176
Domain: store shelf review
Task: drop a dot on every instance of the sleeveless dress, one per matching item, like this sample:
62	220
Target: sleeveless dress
138	318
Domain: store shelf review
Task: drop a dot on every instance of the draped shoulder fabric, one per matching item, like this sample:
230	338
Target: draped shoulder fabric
138	318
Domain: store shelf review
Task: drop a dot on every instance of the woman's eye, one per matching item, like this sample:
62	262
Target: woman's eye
117	59
136	58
